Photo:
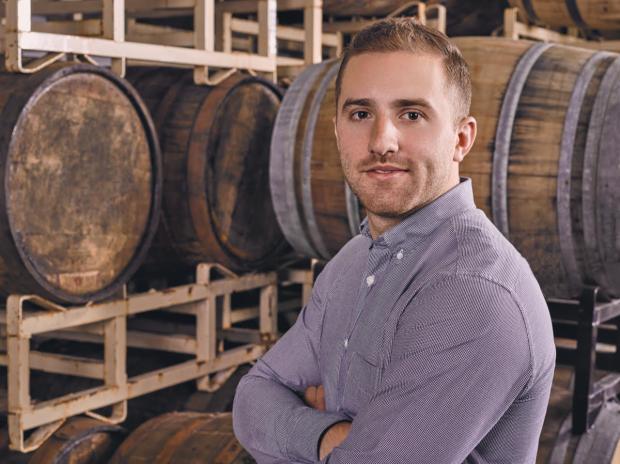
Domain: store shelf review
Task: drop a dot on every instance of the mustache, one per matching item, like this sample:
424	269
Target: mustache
372	163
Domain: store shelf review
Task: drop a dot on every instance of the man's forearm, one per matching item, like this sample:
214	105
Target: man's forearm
333	437
275	425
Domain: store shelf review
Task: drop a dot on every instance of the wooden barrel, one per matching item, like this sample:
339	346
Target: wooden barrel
584	14
215	145
362	7
81	440
187	437
543	166
557	445
81	174
472	17
316	210
544	163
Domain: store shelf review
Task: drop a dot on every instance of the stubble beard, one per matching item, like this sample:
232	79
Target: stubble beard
423	185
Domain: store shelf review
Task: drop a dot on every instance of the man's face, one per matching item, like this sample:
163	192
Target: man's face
396	131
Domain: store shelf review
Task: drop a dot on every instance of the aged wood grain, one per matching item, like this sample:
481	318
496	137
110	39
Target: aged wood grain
81	440
215	142
589	14
81	179
188	437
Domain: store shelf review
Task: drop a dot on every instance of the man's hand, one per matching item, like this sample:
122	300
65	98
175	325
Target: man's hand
315	397
333	437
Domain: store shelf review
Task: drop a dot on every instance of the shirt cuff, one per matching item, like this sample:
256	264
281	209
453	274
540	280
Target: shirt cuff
303	441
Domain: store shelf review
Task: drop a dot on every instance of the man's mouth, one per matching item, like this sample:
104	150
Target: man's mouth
385	170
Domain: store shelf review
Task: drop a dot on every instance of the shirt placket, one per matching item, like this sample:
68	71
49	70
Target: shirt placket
378	260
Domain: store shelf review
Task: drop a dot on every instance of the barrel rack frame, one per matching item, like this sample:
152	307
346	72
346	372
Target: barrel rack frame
436	19
515	29
119	37
208	299
588	321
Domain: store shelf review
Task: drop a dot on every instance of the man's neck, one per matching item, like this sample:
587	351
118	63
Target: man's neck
378	225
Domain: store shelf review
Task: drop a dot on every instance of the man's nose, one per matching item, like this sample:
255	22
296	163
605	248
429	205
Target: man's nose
384	137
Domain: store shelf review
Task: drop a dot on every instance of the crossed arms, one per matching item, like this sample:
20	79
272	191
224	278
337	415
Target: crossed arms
444	389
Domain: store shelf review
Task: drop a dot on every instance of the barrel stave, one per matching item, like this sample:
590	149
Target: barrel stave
81	177
489	79
215	141
552	224
585	14
534	160
328	182
183	437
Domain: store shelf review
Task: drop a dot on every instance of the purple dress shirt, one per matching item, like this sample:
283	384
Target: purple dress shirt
434	340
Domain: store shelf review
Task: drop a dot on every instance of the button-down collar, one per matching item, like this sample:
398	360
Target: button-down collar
421	223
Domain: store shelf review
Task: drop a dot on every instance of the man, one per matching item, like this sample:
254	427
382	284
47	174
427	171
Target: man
427	334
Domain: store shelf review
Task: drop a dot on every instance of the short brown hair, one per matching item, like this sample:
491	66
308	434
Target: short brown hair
408	34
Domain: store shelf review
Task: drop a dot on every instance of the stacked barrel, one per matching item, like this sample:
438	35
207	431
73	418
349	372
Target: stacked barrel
81	172
84	180
542	167
215	144
585	14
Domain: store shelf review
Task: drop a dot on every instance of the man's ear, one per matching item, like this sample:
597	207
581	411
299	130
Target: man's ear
466	136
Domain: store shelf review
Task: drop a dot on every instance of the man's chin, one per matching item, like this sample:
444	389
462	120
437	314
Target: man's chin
387	211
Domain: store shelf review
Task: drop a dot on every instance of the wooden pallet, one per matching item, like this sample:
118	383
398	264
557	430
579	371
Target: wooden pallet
208	300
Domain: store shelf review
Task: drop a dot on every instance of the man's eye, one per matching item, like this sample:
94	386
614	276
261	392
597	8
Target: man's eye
412	115
360	115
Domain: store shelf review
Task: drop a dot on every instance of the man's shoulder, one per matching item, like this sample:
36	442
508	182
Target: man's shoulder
351	252
351	256
485	252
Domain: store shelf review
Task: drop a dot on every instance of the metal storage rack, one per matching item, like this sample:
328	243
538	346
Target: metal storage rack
584	320
208	300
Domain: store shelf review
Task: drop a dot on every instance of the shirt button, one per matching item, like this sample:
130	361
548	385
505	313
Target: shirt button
346	342
399	255
370	280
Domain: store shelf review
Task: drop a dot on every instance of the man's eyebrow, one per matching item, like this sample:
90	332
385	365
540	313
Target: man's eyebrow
400	103
405	102
356	102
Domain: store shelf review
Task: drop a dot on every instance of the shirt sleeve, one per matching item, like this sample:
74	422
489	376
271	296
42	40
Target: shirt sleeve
459	358
270	418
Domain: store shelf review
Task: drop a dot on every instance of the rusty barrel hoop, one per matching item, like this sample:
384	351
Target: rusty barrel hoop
27	276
